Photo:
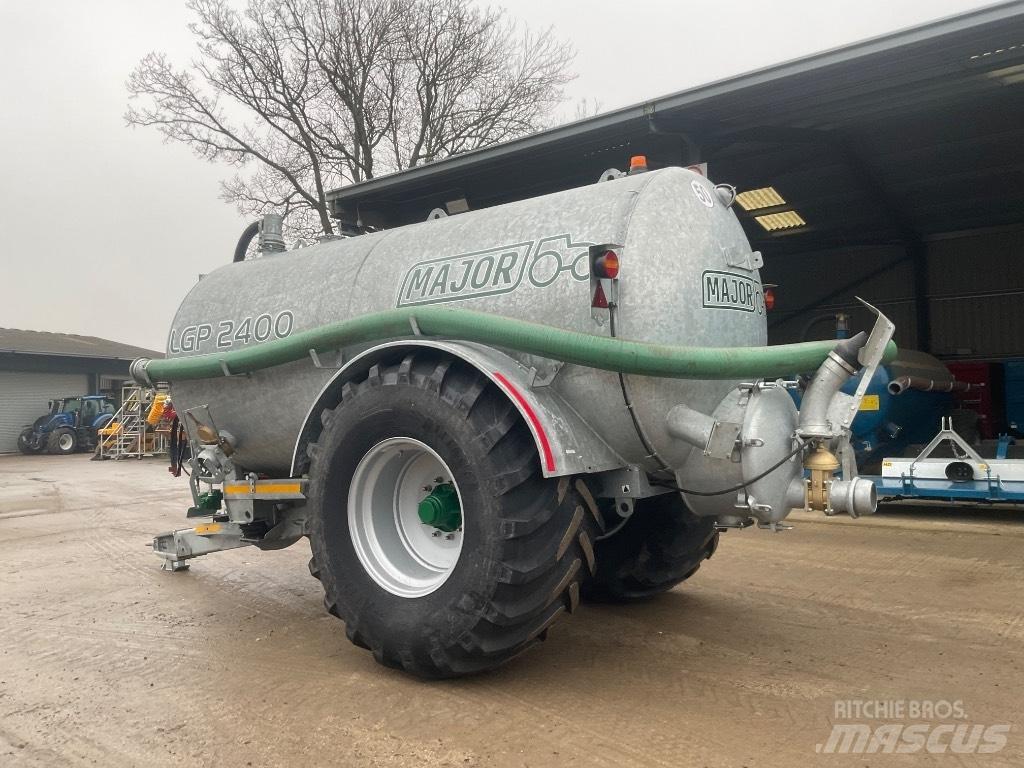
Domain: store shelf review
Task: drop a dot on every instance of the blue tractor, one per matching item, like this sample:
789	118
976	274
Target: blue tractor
69	426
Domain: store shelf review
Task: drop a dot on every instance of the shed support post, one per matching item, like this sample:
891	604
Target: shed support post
918	253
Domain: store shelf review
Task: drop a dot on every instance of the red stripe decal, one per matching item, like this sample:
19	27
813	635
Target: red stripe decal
545	445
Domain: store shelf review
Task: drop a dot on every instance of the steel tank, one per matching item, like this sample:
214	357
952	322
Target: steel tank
687	277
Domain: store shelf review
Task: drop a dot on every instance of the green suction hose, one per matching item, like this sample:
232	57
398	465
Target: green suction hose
610	354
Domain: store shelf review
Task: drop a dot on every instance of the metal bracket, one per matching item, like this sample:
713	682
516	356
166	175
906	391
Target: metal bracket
722	441
841	406
625	483
624	506
775	527
542	374
762	384
749	502
339	363
847	459
289	530
228	374
948	433
742	258
870	357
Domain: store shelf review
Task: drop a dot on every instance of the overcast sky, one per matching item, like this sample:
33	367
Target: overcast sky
105	228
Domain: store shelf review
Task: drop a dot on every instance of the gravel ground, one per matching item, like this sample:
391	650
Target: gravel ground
106	660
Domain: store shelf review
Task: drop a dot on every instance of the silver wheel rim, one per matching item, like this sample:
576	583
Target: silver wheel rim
398	551
65	442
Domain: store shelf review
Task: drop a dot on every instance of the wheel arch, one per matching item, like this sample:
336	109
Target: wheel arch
566	444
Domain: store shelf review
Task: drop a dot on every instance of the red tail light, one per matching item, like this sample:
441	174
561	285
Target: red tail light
606	265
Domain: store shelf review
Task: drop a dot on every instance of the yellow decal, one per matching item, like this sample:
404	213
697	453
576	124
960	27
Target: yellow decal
207	528
869	403
242	489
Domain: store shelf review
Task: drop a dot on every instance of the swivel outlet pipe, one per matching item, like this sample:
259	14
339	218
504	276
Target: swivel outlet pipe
839	365
854	496
610	354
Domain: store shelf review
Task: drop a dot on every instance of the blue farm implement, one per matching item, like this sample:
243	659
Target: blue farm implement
949	470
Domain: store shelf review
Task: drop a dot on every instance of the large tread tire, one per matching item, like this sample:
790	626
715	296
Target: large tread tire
660	546
54	439
25	442
527	544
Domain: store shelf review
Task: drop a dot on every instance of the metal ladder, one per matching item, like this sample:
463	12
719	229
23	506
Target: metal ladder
128	427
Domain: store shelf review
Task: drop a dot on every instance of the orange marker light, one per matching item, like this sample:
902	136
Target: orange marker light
607	265
637	163
769	298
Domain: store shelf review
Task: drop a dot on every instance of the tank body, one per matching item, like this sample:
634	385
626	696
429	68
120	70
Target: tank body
687	277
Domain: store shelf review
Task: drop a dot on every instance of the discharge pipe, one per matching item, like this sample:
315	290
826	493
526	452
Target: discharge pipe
610	354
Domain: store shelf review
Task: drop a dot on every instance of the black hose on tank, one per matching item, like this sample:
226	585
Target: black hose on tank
243	242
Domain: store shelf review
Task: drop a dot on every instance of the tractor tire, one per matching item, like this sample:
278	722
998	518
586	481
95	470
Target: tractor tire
62	441
25	442
437	602
661	545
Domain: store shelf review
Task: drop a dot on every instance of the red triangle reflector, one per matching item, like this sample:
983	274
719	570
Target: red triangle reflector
600	300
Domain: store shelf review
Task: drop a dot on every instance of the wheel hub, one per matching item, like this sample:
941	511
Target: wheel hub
405	517
441	509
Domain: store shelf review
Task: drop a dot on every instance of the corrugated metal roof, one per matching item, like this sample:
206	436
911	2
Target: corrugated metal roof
14	340
905	136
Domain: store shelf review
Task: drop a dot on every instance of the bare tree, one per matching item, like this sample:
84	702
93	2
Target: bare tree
301	96
587	108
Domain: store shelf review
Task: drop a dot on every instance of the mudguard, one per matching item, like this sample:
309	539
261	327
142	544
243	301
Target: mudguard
565	443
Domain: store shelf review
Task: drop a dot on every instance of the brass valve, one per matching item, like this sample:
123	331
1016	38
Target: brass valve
209	436
821	463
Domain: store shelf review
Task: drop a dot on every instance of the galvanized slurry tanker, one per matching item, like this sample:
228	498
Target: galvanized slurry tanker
480	418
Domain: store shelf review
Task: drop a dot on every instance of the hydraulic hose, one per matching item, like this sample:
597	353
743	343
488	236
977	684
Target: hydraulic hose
610	354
